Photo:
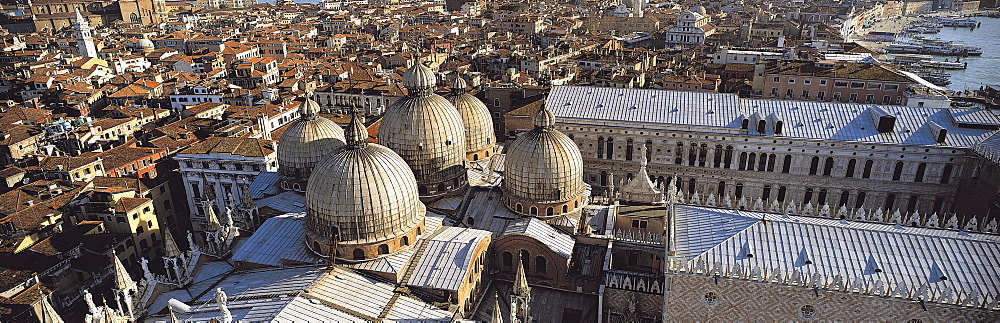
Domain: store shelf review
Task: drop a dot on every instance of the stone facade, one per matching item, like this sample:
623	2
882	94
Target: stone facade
705	298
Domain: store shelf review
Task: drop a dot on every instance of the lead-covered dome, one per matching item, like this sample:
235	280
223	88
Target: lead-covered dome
304	144
426	131
479	137
543	170
362	201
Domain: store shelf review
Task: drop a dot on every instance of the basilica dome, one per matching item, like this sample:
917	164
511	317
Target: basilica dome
145	44
543	170
426	131
304	144
362	201
479	137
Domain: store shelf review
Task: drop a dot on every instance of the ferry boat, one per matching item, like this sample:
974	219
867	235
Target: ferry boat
943	64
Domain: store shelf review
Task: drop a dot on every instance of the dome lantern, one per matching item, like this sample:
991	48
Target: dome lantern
304	144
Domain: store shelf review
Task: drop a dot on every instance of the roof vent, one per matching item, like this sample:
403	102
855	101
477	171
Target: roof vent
803	258
871	266
940	133
884	121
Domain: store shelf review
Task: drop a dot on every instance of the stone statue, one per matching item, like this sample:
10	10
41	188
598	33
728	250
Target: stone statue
145	269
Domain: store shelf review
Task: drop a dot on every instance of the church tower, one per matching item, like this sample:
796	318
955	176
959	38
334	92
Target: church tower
520	297
84	40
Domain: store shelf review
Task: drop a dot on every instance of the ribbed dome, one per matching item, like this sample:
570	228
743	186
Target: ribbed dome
475	117
419	77
145	44
543	165
427	131
364	190
306	142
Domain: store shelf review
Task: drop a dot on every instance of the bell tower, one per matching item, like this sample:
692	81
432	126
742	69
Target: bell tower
84	40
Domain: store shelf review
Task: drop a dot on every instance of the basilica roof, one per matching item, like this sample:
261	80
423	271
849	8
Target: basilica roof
307	141
543	165
479	132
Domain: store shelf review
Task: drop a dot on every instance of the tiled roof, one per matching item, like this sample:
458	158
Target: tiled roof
234	146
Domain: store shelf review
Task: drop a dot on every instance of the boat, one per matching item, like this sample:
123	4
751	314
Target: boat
943	64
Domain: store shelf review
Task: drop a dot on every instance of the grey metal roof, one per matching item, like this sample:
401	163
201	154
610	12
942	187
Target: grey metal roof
447	258
560	242
261	283
848	122
278	242
301	309
287	202
264	184
909	262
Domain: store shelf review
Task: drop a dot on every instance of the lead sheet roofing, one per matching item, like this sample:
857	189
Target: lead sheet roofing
848	122
937	259
448	256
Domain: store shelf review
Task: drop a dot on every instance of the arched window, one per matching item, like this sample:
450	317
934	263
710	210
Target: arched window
519	209
600	147
722	189
549	211
496	102
525	260
475	157
897	173
441	188
822	197
781	193
507	259
762	165
787	165
814	166
920	173
890	201
766	193
540	267
751	161
729	156
844	197
679	154
761	126
383	249
702	155
860	201
610	153
770	162
533	210
739	190
946	174
693	154
565	208
808	197
691	184
359	254
133	17
743	161
604	178
717	160
628	149
828	167
912	204
423	190
938	203
851	164
867	173
406	240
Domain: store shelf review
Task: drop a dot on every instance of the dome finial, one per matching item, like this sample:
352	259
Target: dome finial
356	134
419	78
544	118
309	108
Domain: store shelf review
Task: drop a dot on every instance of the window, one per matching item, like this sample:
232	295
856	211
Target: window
822	82
383	249
919	177
743	161
540	263
679	154
814	166
791	80
805	94
821	95
774	91
946	174
507	259
789	93
149	224
693	154
857	85
890	200
870	98
766	193
891	87
851	164
691	186
739	190
600	147
777	79
874	86
860	201
836	96
886	99
610	149
781	193
639	224
359	254
770	162
868	170
808	197
854	98
898	171
844	196
751	161
807	81
822	197
718	156
828	166
729	156
840	84
721	190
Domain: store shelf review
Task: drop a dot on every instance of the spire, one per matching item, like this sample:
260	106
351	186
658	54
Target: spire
170	245
122	280
641	189
497	317
84	41
521	287
356	134
213	220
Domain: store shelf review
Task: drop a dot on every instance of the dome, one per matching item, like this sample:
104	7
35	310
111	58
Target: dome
543	166
305	143
699	10
479	136
426	130
362	195
419	77
145	44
